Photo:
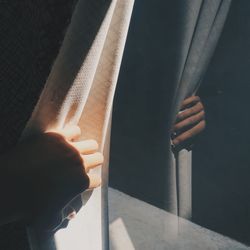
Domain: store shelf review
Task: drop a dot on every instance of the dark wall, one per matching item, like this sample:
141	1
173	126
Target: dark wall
221	169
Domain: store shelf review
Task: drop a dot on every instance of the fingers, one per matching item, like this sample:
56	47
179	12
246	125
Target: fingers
85	147
198	107
190	102
189	121
94	181
73	132
92	160
189	134
90	157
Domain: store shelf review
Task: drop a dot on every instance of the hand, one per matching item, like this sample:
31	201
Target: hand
45	172
190	122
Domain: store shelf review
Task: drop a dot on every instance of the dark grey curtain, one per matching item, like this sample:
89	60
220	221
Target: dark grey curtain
204	21
169	47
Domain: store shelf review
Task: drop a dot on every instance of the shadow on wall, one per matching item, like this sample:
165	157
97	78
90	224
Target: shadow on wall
221	164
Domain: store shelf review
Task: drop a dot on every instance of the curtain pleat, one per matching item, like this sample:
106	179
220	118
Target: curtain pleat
80	90
208	27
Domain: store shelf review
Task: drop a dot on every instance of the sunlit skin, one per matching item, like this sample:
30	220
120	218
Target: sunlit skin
43	173
190	122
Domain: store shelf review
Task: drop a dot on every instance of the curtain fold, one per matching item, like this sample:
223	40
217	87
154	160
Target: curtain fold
80	90
209	16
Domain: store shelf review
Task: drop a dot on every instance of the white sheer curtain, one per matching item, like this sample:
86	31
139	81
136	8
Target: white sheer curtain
80	90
